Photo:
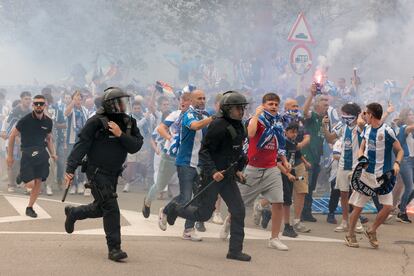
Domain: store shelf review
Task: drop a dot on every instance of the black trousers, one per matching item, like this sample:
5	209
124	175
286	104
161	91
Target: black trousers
105	205
203	208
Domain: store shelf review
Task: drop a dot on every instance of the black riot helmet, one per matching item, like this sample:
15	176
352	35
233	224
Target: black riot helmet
115	101
231	99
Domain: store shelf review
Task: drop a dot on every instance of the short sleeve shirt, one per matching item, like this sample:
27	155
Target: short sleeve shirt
33	131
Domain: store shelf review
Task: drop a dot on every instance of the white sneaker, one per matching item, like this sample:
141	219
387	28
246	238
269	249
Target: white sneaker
389	219
225	229
72	190
343	227
277	244
126	188
87	192
257	212
191	235
300	227
217	219
49	191
359	228
81	189
162	219
10	189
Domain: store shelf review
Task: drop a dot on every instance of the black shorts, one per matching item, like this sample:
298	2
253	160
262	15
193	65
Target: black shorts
36	167
287	191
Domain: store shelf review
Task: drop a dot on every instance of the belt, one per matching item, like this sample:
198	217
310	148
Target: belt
105	171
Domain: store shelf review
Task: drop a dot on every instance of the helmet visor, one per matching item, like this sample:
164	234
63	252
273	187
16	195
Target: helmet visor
121	105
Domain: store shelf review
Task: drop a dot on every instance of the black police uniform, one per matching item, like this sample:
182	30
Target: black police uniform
105	157
35	159
221	146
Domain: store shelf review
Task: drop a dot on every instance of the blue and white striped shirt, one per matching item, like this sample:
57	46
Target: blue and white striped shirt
378	148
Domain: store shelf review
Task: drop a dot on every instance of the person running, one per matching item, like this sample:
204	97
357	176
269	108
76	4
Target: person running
263	177
35	130
193	127
378	143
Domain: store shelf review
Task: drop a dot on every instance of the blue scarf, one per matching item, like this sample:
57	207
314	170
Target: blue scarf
175	144
273	129
292	115
198	112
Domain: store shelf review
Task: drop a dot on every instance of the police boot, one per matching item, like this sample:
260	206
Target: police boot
117	255
239	256
70	221
172	213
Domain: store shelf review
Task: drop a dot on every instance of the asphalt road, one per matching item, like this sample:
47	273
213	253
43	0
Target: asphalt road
41	247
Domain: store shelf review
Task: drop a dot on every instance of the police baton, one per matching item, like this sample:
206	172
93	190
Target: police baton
66	192
208	185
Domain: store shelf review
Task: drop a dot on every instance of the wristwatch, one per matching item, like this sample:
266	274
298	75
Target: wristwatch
398	162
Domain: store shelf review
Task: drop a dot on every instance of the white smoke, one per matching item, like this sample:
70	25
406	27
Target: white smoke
354	41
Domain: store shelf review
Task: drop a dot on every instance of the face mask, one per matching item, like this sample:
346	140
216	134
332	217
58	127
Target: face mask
348	119
293	112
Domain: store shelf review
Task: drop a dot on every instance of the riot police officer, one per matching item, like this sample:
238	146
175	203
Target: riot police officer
102	148
221	159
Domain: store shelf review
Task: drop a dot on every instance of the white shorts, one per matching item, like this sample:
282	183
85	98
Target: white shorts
343	180
359	200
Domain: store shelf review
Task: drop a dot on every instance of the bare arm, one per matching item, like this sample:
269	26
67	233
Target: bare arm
50	145
69	109
197	125
252	127
305	142
361	148
409	129
163	130
398	150
155	147
308	102
12	138
399	156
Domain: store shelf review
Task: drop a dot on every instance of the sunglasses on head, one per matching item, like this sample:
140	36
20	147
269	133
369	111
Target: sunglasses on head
38	103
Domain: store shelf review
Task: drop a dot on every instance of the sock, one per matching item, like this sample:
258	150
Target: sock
295	221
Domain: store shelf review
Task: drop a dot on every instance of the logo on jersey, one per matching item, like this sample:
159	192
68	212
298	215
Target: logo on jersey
380	137
348	143
371	145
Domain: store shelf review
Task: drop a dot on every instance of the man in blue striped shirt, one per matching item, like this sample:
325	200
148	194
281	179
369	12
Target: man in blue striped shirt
349	131
193	126
378	143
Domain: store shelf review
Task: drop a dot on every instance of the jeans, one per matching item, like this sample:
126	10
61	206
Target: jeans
313	179
79	177
407	166
60	163
188	179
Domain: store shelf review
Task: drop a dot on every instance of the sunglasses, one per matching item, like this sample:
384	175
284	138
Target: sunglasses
38	103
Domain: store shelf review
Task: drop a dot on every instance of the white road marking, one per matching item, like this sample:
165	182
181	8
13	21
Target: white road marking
139	226
20	205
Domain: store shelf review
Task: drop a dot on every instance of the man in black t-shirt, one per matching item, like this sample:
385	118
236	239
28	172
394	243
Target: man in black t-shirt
35	130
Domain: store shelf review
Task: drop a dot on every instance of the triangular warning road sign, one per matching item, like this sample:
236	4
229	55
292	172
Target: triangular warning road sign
300	31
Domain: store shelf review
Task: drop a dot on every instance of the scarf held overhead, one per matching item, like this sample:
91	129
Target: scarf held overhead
273	130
